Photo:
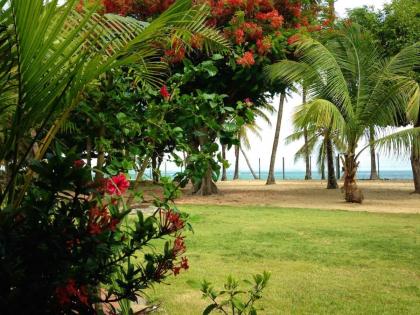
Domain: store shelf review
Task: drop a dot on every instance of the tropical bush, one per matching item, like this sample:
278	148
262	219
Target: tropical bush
71	246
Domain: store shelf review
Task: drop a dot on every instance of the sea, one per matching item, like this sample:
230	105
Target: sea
300	175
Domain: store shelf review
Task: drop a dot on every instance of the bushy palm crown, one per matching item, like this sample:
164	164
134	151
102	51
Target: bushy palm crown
351	86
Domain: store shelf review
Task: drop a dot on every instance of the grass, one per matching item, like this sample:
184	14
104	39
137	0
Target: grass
322	262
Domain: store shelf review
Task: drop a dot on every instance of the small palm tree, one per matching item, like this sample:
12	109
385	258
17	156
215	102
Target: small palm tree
262	111
321	141
353	88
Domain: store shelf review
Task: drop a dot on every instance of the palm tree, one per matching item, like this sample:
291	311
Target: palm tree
262	111
49	55
321	139
353	88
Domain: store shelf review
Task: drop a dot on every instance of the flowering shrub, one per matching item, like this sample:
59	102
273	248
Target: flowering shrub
71	244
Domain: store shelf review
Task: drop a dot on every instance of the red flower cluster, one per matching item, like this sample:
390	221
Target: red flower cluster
276	20
247	60
100	220
117	185
183	265
263	45
164	93
121	7
170	221
78	163
176	52
71	290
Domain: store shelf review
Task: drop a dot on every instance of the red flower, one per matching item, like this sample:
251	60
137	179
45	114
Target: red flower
247	60
293	39
78	163
64	294
184	263
117	185
170	221
263	45
95	228
179	246
164	92
239	36
176	270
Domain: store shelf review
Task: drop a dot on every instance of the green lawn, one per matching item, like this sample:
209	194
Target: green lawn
322	262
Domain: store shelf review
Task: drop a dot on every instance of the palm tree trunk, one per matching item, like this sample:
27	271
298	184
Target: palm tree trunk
249	164
224	176
373	169
308	171
351	192
89	150
322	169
332	181
236	173
415	163
271	180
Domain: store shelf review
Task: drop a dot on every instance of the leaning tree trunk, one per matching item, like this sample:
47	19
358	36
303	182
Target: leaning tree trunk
332	181
224	175
373	170
415	162
155	169
236	173
271	179
249	164
351	192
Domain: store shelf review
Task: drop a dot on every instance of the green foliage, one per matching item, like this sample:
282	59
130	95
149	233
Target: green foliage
60	246
231	299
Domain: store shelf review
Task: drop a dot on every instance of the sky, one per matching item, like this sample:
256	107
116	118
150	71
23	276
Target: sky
261	148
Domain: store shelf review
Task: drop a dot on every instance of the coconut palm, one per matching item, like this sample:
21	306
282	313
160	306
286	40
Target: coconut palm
50	52
262	111
321	140
353	88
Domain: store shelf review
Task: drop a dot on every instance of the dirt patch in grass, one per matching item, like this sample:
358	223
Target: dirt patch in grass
380	196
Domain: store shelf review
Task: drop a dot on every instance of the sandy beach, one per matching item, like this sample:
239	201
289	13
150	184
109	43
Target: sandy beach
380	196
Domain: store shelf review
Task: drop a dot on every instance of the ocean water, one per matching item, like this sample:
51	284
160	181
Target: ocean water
296	175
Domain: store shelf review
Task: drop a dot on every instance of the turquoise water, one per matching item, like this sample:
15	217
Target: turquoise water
386	174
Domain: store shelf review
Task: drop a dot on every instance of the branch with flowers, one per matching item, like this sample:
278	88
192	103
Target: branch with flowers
78	245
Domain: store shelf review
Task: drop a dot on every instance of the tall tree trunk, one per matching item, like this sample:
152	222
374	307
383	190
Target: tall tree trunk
331	10
101	153
323	177
224	175
373	169
236	173
332	181
351	192
155	169
415	163
271	179
308	171
249	164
